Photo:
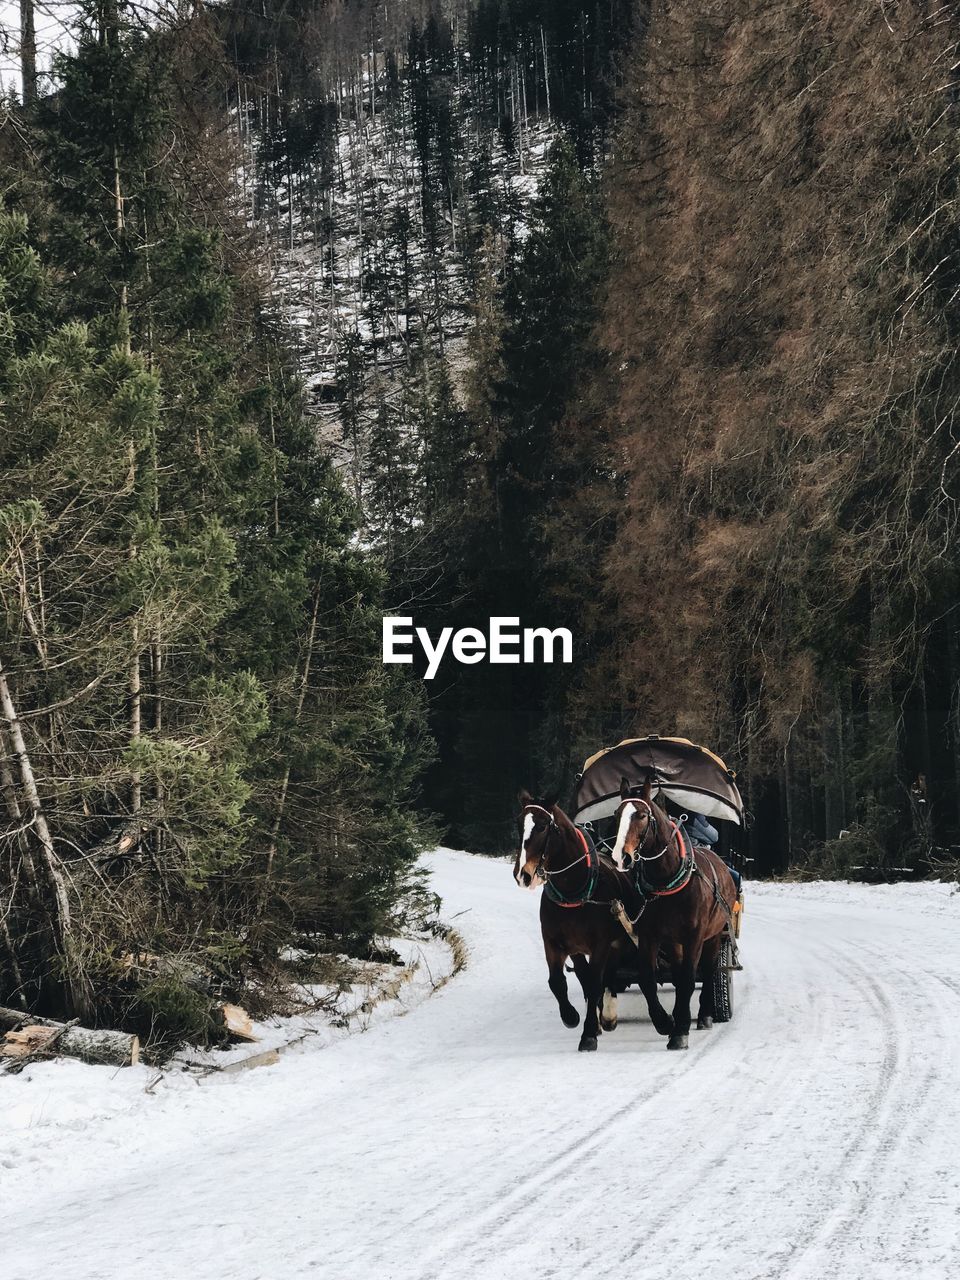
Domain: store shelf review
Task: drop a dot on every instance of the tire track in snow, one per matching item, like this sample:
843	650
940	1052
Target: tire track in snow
859	1071
868	1147
712	1152
699	1155
898	1127
502	1207
509	1214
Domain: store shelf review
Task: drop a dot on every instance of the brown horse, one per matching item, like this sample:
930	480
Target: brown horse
688	898
576	915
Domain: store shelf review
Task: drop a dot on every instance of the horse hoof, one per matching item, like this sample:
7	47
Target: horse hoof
570	1017
608	1024
588	1044
704	1024
677	1042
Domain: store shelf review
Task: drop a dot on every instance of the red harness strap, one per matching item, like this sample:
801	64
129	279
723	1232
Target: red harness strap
589	882
691	867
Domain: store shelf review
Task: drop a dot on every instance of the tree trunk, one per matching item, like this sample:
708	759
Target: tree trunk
786	784
285	785
954	694
52	866
546	68
136	790
10	954
28	52
106	1048
832	756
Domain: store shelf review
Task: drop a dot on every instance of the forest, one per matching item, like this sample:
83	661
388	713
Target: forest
628	317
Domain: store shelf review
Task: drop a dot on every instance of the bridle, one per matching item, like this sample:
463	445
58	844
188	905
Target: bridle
540	870
651	828
688	863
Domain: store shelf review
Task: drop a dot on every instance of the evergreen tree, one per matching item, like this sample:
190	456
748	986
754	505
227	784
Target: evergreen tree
551	306
192	691
507	471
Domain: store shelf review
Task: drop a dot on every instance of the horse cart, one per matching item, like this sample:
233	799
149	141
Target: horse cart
697	790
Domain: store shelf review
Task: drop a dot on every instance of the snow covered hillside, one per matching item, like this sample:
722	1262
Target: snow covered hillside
814	1136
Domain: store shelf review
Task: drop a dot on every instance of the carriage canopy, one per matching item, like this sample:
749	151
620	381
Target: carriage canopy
690	776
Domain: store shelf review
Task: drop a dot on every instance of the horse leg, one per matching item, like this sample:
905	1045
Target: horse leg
608	1005
709	958
684	982
594	994
557	981
647	966
609	1017
581	967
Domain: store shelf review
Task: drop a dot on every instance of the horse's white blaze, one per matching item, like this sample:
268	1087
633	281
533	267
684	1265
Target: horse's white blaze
521	856
625	819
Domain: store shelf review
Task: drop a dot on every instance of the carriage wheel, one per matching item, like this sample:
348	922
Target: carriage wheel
723	982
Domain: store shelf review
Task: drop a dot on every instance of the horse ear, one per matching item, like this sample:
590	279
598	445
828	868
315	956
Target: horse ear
550	799
524	797
648	788
624	788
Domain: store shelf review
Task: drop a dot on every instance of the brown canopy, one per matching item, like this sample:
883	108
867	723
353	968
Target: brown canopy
691	776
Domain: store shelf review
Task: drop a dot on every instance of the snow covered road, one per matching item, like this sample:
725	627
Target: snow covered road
815	1136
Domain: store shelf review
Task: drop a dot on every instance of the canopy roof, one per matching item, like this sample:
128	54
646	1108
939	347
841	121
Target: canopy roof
691	776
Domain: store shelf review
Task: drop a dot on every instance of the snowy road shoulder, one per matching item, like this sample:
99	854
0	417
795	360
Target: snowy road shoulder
47	1102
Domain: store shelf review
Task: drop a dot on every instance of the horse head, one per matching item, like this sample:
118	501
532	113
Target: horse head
637	821
536	822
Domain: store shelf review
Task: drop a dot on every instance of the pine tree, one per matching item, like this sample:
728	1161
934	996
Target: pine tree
191	626
506	466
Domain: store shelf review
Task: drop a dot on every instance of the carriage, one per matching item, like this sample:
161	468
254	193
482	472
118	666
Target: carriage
687	779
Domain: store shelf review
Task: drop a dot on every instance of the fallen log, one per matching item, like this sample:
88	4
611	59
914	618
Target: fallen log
105	1048
28	1042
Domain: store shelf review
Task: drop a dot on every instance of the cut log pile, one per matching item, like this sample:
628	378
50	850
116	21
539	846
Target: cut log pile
27	1036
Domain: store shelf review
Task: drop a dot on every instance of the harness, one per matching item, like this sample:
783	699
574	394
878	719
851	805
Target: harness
689	867
718	897
688	864
590	884
687	870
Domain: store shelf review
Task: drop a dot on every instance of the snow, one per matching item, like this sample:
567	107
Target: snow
319	253
813	1136
331	1013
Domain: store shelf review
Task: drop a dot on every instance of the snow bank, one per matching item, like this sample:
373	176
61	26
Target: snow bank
49	1099
928	896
